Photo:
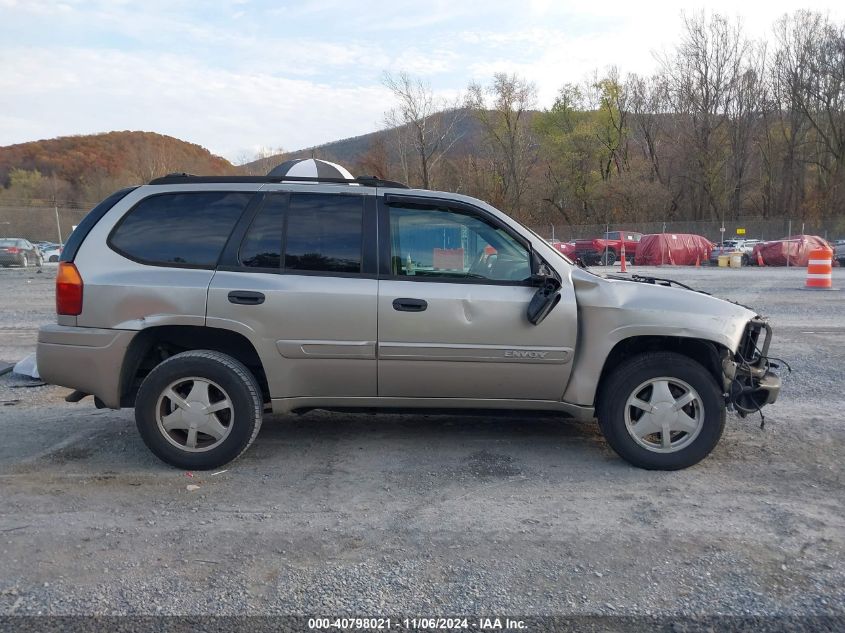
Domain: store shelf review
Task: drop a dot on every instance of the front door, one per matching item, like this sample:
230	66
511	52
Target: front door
452	308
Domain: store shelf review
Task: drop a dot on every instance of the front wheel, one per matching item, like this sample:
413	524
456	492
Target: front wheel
661	411
199	409
607	258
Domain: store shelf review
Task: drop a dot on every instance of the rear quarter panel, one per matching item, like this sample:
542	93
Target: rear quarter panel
122	294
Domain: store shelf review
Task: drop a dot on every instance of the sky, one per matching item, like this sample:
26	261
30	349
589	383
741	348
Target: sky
237	76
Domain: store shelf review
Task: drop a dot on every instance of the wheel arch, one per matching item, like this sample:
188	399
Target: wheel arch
702	351
153	345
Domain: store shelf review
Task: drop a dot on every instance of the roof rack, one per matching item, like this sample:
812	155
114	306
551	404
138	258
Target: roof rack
186	179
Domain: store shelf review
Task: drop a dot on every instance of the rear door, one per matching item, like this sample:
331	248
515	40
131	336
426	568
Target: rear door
453	297
298	278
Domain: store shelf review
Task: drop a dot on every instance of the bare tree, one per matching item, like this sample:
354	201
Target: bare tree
810	64
376	160
262	161
701	79
505	119
744	107
150	158
425	126
648	103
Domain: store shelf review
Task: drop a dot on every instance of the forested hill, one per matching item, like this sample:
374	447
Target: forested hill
357	152
84	167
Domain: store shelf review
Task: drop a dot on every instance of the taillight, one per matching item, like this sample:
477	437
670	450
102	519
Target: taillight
13	250
68	290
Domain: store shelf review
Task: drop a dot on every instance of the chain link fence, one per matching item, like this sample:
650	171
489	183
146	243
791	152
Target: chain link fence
749	228
40	224
55	223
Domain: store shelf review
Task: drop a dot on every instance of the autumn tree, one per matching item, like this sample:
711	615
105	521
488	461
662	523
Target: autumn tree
503	108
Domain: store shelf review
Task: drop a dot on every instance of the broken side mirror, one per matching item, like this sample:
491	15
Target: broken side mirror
545	299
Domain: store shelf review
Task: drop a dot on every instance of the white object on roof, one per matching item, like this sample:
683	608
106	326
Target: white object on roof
310	168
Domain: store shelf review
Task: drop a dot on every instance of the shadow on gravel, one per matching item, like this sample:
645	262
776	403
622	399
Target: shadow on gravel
479	446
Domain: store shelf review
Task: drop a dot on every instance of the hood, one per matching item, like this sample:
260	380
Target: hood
630	308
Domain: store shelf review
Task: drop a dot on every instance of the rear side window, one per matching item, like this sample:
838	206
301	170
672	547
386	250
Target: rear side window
262	245
323	233
182	229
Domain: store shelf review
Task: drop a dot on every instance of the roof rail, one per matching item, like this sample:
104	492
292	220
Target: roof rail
186	179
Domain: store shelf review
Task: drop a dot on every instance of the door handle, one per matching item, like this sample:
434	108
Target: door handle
246	297
409	305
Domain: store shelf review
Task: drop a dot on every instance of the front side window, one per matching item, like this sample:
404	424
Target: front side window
447	245
180	228
323	233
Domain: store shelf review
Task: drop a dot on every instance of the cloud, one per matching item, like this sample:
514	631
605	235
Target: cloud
232	74
223	110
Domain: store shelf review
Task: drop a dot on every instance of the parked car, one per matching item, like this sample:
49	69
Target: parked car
52	253
567	248
16	251
839	251
673	249
741	245
204	301
607	249
793	250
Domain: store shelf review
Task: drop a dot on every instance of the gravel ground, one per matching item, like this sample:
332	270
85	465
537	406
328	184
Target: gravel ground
362	514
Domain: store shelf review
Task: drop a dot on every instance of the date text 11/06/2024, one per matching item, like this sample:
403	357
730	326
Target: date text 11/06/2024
445	624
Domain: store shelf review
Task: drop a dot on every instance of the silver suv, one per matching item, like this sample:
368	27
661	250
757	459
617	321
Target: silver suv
204	302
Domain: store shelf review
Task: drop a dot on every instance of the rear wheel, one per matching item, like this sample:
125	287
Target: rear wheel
746	260
54	259
199	409
661	411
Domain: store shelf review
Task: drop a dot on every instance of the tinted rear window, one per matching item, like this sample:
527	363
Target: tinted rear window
262	245
324	233
180	228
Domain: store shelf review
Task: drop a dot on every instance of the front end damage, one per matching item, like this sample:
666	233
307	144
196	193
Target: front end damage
749	383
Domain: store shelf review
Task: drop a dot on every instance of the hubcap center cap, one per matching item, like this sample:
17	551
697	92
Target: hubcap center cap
195	414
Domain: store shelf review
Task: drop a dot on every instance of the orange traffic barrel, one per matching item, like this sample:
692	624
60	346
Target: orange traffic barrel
820	269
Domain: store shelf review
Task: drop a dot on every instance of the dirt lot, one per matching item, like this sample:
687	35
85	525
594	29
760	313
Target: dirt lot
361	514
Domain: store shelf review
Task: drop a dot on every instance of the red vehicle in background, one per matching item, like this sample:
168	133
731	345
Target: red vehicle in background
567	248
606	250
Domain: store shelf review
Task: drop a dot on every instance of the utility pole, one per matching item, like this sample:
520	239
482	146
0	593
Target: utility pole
789	239
56	206
58	224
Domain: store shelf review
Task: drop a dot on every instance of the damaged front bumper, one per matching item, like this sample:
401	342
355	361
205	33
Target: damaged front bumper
749	383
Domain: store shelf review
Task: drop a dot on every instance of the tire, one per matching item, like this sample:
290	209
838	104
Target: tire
607	258
218	437
53	259
746	260
24	262
644	376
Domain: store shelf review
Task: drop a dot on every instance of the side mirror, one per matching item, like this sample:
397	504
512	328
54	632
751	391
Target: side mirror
544	300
